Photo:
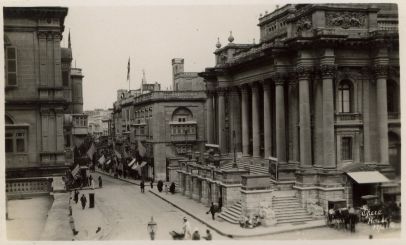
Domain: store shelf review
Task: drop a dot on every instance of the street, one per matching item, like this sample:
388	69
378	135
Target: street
123	213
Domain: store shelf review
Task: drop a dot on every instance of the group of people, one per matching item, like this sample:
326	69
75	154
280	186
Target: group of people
187	233
251	221
343	218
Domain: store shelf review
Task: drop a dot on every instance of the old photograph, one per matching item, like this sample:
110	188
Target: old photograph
250	121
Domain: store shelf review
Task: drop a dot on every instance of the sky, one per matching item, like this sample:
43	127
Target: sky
104	37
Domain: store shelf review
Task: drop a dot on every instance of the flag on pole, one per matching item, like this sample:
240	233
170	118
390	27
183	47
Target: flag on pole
91	151
141	149
117	154
102	159
128	69
75	171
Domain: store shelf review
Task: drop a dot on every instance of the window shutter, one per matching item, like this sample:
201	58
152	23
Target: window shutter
11	65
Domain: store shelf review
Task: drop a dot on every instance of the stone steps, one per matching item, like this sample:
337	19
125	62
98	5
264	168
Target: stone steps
288	210
232	214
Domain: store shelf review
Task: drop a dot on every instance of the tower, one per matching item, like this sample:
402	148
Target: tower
177	67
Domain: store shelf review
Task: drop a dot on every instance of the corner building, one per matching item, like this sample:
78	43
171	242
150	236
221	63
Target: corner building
43	96
319	95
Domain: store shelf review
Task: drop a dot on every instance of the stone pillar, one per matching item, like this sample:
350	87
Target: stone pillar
256	143
221	121
204	199
210	118
187	185
381	73
235	120
366	115
245	121
304	116
280	120
181	186
293	122
267	120
329	159
195	194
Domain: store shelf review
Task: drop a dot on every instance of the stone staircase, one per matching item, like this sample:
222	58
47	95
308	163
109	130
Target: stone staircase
288	210
255	166
232	214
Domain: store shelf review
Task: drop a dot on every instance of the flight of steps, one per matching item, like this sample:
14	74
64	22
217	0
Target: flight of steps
288	210
255	166
232	214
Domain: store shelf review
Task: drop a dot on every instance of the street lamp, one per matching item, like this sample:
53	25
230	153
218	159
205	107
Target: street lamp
151	227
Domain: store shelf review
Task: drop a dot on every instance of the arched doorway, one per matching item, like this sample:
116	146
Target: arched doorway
394	152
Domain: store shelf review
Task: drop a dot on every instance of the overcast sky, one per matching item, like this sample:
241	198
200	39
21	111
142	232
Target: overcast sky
104	37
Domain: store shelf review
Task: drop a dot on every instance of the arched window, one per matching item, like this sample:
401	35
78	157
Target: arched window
182	114
344	97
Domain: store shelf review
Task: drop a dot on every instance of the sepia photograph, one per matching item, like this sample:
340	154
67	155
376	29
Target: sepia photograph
248	121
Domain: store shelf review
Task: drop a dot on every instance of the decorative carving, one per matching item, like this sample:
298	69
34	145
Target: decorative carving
304	72
42	35
57	36
303	24
328	71
381	71
279	78
345	19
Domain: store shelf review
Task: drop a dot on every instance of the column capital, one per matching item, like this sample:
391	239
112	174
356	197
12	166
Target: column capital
221	91
57	36
266	85
254	87
380	71
233	91
210	93
304	72
328	70
42	34
244	88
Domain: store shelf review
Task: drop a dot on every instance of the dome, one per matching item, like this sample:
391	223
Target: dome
231	38
218	44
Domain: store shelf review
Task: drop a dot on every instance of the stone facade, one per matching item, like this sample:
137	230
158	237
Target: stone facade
169	124
185	81
38	91
316	92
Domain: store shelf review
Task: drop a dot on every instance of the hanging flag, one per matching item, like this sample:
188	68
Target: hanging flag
141	149
75	171
117	154
102	159
128	69
91	151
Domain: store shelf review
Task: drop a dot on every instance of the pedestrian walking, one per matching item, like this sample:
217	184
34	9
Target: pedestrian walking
152	184
196	235
166	189
100	182
212	210
90	180
76	197
142	185
92	184
208	235
187	231
83	200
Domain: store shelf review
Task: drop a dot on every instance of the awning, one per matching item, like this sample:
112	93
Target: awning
143	164
131	163
368	177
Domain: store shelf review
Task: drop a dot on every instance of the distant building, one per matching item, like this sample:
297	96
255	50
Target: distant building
41	88
185	81
98	122
169	124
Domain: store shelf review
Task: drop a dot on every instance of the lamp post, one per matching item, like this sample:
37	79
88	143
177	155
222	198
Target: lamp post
235	157
151	227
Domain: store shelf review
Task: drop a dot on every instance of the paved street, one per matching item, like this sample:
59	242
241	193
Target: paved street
123	212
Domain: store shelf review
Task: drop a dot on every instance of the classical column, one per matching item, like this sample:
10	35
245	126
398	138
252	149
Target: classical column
365	114
304	116
267	120
235	119
280	119
255	122
57	60
245	121
381	73
221	121
293	121
210	118
327	73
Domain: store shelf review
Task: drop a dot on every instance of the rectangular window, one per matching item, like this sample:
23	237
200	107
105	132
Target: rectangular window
65	78
15	142
9	145
346	148
11	66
